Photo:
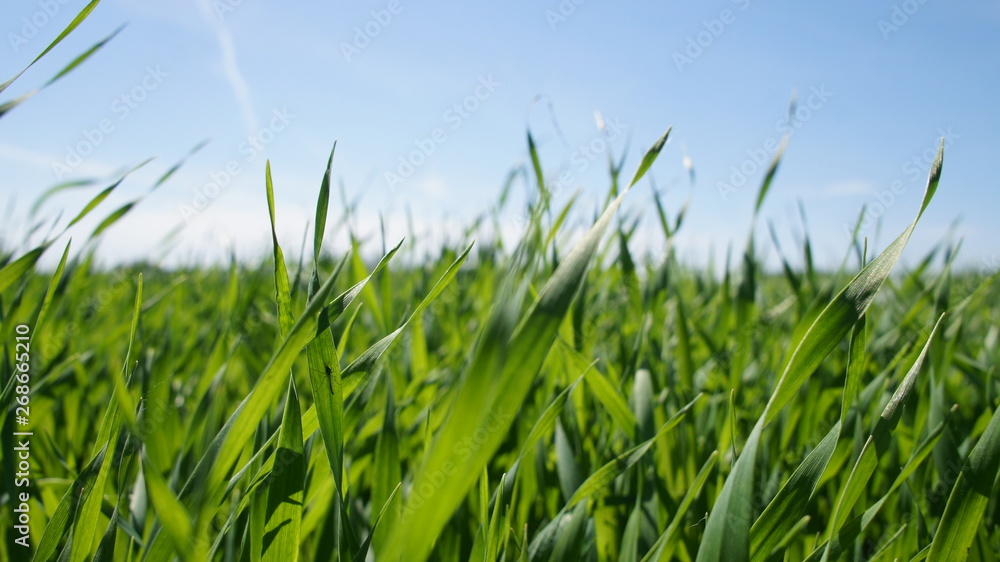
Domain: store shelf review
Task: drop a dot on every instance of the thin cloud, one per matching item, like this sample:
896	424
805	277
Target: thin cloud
88	167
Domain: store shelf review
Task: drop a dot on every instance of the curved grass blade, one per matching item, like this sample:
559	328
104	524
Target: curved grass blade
7	106
779	517
604	391
727	532
552	542
281	287
547	420
337	306
84	56
112	218
62	35
846	308
878	442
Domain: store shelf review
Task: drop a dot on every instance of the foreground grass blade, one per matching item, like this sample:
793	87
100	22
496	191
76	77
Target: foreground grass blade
487	401
366	545
325	373
337	306
846	308
778	519
972	492
286	489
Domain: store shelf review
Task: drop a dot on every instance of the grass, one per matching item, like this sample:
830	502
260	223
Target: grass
546	401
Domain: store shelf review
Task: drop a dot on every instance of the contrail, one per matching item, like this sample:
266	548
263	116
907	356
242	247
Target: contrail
230	67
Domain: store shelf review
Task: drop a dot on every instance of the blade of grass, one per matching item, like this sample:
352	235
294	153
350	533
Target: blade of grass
286	488
727	532
82	15
969	497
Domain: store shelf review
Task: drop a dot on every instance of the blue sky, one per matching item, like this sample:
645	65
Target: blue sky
877	85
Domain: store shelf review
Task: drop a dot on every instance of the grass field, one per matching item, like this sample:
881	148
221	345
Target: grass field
559	399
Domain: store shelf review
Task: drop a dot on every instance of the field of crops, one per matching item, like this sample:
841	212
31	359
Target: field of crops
562	398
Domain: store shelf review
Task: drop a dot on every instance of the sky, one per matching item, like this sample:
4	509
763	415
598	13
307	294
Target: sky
430	103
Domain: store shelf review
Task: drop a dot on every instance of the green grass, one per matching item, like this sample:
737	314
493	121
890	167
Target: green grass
546	401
